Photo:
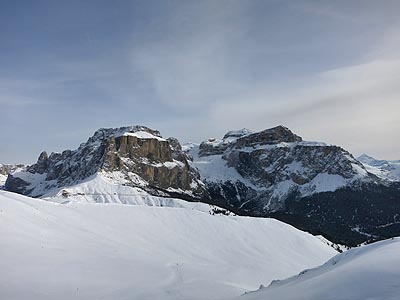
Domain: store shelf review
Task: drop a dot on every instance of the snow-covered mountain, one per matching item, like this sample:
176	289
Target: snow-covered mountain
106	251
369	272
136	156
314	186
265	168
6	169
385	169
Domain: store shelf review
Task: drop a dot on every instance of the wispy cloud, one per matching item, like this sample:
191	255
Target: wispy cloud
195	69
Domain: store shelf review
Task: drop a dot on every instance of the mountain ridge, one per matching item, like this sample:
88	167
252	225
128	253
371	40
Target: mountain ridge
272	172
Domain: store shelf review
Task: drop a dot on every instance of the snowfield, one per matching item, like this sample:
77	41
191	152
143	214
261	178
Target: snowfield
109	251
370	272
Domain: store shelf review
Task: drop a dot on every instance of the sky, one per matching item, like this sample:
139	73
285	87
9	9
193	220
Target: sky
328	70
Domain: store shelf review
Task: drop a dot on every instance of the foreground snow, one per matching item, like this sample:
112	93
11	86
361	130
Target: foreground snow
108	251
368	272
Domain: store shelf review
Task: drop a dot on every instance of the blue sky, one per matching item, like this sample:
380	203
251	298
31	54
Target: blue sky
329	70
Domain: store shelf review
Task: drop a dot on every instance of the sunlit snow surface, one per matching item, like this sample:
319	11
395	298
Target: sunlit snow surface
108	251
370	272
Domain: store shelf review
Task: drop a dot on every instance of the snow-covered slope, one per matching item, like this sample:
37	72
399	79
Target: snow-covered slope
106	251
385	169
370	272
108	187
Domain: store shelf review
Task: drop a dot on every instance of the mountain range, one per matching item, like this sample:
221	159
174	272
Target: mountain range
314	186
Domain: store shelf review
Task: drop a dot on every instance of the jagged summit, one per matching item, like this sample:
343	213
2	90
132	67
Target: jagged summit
237	133
106	133
278	134
246	138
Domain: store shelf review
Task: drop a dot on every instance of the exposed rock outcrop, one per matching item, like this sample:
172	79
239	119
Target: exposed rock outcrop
270	136
6	169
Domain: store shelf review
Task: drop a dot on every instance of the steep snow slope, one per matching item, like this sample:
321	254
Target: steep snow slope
385	169
106	251
368	272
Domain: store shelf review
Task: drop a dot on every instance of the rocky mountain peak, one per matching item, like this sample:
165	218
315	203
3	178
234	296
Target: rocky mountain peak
273	135
140	156
237	133
246	138
106	133
41	165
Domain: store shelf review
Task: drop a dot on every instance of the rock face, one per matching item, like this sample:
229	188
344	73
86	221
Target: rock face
6	169
275	173
271	136
138	154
